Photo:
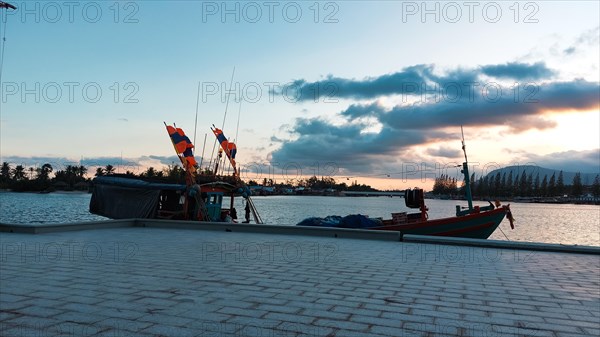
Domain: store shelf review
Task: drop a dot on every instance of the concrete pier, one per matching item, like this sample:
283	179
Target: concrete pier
138	278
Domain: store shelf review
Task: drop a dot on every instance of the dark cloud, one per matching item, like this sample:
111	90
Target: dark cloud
336	87
351	144
489	109
411	81
444	152
518	71
355	111
347	145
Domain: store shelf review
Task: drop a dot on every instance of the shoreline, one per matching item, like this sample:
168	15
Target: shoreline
570	201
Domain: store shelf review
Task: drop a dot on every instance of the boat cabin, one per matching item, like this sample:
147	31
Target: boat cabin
118	197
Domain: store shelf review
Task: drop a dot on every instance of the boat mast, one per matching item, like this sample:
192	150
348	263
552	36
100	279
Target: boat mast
3	21
202	158
465	172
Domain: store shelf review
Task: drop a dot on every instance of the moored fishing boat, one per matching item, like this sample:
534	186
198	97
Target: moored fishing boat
474	222
203	197
477	222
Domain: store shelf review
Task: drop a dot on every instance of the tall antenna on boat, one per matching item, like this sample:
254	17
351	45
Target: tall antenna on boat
227	101
464	147
465	172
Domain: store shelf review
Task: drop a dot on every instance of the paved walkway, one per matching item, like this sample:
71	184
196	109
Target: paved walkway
161	282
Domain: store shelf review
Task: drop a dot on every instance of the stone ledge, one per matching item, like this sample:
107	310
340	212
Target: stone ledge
345	233
65	227
536	246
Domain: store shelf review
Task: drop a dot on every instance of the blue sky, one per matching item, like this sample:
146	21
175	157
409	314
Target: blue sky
148	59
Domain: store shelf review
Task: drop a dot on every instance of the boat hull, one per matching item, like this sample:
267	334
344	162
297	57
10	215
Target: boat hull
478	225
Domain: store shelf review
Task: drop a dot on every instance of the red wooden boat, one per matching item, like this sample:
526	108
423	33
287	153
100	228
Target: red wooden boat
474	222
477	222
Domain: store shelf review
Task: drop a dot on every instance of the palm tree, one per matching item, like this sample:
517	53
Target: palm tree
109	169
99	172
5	171
150	172
44	172
81	171
19	172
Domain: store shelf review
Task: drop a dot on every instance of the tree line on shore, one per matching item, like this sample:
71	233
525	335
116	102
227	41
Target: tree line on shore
74	178
70	178
522	185
312	183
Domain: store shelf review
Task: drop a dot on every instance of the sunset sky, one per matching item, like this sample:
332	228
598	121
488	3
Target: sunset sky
358	90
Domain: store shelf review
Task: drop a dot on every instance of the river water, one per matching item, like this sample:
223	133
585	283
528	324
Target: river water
550	223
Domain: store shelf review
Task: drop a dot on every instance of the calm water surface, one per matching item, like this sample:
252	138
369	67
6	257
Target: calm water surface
45	208
567	224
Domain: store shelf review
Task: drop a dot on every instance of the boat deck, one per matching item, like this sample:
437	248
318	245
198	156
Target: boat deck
140	281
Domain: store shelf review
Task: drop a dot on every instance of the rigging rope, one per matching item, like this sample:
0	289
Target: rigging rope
196	120
503	233
238	121
224	116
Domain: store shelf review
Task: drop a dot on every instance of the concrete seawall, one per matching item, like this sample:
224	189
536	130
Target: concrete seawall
294	230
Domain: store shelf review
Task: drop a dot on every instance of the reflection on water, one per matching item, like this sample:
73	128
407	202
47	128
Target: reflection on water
567	224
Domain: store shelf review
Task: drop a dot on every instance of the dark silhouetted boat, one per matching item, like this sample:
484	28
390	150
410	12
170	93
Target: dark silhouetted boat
206	197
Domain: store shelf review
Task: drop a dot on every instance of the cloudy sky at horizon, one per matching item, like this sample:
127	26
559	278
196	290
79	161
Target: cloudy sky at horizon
370	91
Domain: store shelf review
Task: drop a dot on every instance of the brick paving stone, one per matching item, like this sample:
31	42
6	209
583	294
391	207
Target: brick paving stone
242	312
592	331
282	317
267	300
361	311
325	314
33	322
343	325
33	310
7	297
163	318
233	303
169	286
199	316
166	330
309	305
79	317
22	331
289	309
